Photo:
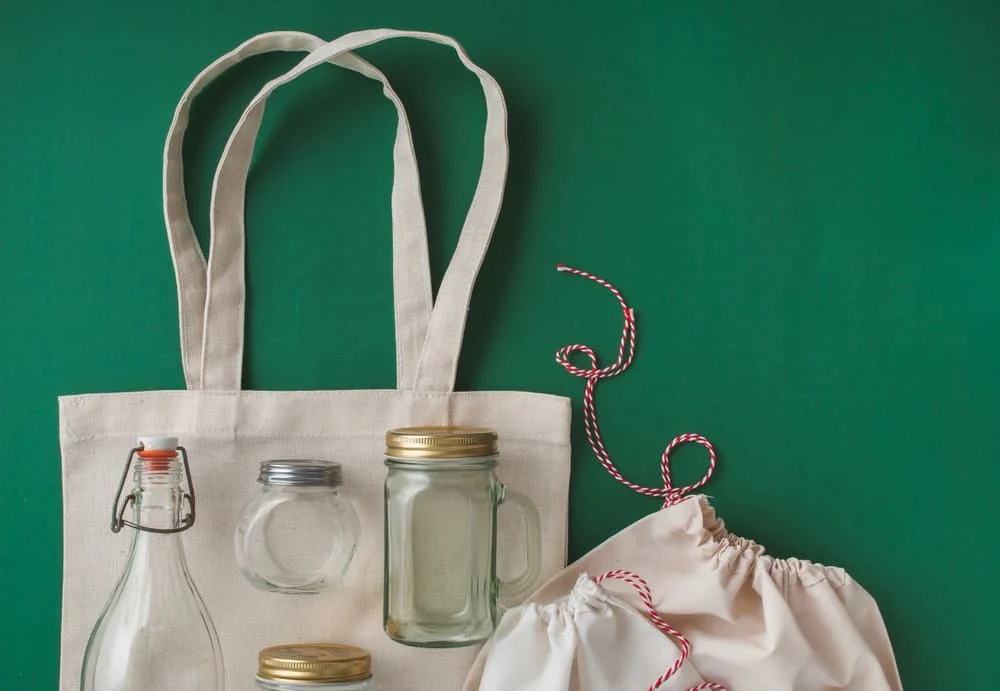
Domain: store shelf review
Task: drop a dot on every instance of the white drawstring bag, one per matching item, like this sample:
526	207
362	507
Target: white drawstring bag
749	621
588	640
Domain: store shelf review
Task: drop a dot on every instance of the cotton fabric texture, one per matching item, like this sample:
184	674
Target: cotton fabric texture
755	623
228	431
588	640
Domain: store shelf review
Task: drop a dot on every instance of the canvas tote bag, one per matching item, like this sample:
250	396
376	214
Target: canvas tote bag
228	431
746	621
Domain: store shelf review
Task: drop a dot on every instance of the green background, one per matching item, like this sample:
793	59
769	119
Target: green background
799	199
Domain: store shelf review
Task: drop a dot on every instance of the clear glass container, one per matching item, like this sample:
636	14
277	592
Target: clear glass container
441	500
155	632
314	667
299	534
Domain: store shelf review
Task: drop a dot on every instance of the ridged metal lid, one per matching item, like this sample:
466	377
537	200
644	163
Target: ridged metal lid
314	662
440	442
301	473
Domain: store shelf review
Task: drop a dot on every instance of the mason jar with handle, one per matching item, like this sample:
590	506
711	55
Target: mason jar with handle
442	496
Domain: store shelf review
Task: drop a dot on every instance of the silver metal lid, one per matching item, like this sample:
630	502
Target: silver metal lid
301	473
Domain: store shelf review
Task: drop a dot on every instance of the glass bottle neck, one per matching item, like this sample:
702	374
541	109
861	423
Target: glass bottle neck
159	497
158	558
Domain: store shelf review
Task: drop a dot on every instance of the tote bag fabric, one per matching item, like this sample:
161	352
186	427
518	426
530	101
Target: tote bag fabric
228	431
753	622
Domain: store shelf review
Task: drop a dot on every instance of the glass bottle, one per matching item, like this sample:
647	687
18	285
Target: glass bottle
299	533
155	633
314	667
441	499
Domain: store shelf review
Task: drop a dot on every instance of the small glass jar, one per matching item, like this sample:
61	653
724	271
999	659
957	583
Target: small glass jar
299	534
441	498
314	667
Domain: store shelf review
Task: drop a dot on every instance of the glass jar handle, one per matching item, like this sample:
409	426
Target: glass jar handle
522	583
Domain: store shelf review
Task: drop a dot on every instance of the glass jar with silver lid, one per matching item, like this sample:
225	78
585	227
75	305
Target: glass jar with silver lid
299	533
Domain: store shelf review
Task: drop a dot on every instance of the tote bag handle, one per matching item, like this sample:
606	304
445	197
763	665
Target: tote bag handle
435	355
412	284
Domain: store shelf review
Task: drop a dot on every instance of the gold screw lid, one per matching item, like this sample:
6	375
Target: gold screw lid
314	662
440	442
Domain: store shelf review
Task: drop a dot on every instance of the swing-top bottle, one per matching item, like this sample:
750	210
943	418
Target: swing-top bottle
155	633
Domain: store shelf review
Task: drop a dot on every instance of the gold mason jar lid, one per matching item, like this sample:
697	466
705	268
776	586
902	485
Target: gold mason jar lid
314	662
440	442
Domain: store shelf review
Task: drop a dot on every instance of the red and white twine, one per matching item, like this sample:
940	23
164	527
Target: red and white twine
646	595
593	374
671	495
